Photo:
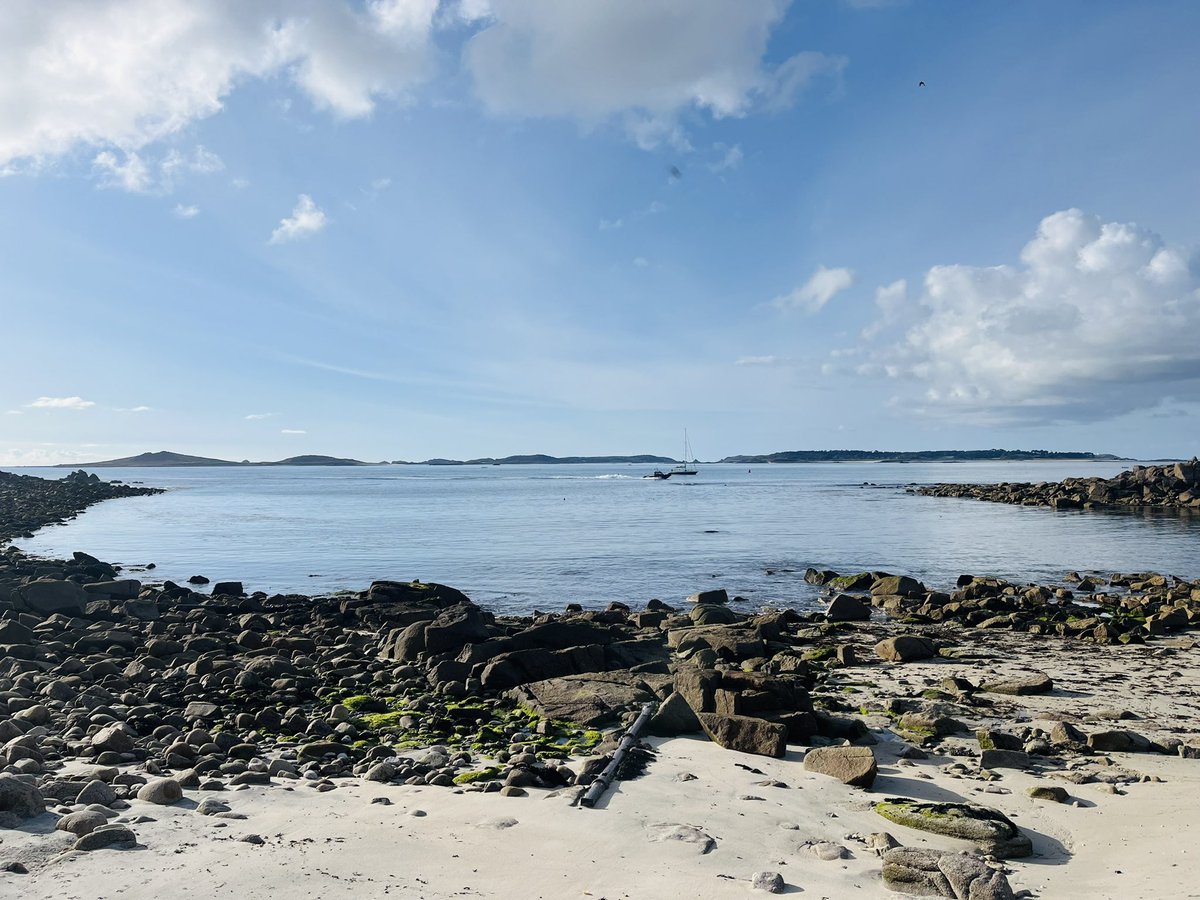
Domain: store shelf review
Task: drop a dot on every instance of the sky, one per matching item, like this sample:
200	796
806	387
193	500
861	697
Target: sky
403	229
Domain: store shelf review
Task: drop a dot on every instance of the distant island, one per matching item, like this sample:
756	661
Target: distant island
165	458
903	456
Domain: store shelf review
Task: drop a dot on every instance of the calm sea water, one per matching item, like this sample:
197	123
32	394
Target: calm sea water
524	537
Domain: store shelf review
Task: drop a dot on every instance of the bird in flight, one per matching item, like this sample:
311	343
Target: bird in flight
920	84
675	173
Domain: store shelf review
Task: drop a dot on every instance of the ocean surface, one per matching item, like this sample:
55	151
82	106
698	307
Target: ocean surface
518	538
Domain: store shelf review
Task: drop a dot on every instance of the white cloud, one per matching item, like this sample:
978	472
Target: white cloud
1098	319
125	73
890	300
13	412
130	171
186	212
256	416
306	219
640	262
292	431
132	409
757	361
817	291
60	403
641	63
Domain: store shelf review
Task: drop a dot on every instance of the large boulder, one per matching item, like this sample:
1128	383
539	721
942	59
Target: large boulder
854	766
897	585
123	589
49	596
745	734
587	700
1020	685
19	800
460	624
931	873
991	830
905	648
674	716
162	791
844	608
720	595
524	666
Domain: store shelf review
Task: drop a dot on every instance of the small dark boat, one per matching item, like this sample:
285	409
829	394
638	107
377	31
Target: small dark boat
658	475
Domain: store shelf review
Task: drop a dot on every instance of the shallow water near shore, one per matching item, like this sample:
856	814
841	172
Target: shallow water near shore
518	538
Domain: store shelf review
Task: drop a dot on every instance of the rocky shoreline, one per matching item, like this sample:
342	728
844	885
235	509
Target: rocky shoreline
1169	487
119	697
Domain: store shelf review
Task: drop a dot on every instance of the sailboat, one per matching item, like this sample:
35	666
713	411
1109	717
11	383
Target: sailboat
688	466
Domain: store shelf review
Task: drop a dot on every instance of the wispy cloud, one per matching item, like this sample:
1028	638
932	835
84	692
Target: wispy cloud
13	412
292	431
186	212
60	403
131	171
255	416
758	361
731	158
817	291
132	409
306	219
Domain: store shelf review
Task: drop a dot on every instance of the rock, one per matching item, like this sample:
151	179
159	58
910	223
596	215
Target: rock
931	873
673	717
854	766
712	614
897	585
211	806
96	791
163	791
718	596
745	734
1021	685
826	851
198	709
880	842
113	738
771	882
382	771
107	836
1005	759
586	700
512	791
252	839
1118	742
228	588
990	829
19	800
844	608
49	596
83	822
905	648
686	834
1046	792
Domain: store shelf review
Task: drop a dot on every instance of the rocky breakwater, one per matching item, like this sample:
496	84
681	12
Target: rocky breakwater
1175	486
28	503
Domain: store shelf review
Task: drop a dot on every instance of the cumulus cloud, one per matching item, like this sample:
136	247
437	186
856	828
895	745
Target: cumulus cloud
817	291
125	73
306	219
60	403
1097	319
639	62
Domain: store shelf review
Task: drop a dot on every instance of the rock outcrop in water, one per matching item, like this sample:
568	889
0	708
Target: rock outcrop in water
1174	486
28	503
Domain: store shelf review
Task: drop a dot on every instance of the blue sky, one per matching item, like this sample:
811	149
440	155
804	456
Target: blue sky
402	228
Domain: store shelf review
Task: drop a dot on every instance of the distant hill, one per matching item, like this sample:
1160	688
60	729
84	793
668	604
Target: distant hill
163	458
802	456
539	459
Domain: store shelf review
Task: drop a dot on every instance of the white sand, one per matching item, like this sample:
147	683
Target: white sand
1142	843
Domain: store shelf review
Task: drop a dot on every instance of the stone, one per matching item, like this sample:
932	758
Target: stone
1048	792
228	588
1118	741
745	734
198	709
50	596
844	608
1004	759
96	791
931	873
114	738
854	766
586	700
673	717
107	836
19	800
685	834
162	791
712	614
83	822
1021	685
720	595
771	882
382	771
905	648
880	842
991	830
211	806
826	851
897	585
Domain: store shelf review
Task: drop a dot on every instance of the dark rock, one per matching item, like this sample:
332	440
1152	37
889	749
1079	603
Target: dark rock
905	648
1021	685
107	836
844	608
19	800
745	734
990	829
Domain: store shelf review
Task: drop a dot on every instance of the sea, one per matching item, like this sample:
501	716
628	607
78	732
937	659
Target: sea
520	538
